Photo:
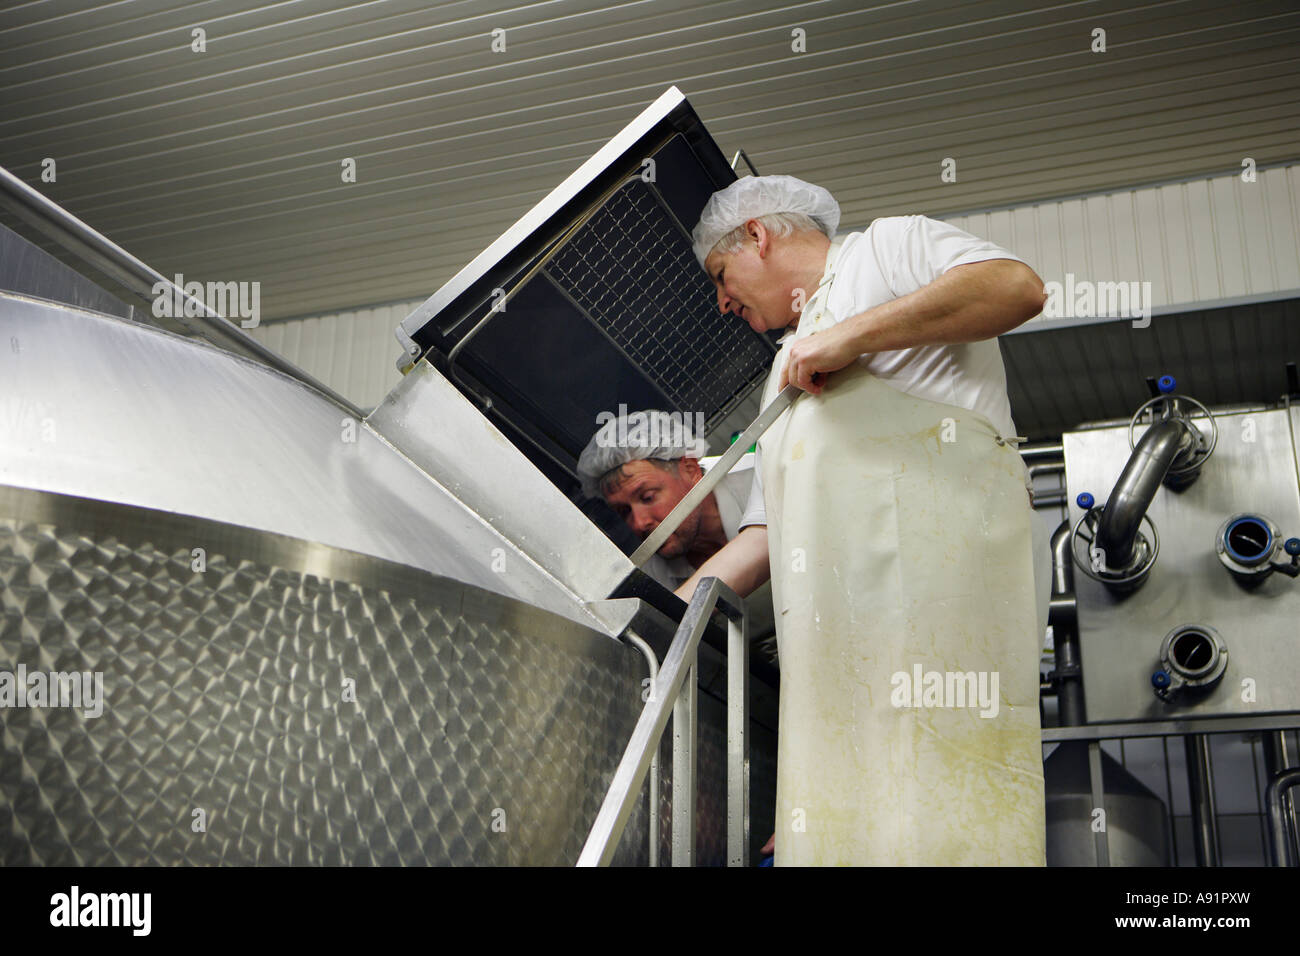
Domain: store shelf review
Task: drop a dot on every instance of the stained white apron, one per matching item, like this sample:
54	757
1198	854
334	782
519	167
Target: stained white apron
898	554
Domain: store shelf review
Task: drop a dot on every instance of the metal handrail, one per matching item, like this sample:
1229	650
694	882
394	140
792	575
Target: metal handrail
677	687
652	668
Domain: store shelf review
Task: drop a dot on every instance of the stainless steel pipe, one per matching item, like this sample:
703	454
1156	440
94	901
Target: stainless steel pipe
1137	485
1282	821
1280	834
1200	783
1065	631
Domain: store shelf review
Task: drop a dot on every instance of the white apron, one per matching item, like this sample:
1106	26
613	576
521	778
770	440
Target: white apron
898	557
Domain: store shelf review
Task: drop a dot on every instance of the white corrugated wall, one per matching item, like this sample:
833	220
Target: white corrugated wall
352	352
1200	243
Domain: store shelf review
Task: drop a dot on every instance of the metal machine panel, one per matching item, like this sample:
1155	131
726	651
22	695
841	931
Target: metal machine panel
1253	469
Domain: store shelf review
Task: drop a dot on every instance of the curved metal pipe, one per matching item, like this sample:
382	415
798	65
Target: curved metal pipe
1063	617
1062	563
1137	485
1283	821
1280	836
652	665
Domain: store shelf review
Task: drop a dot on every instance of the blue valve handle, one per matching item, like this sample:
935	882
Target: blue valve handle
1292	546
1166	383
1085	500
1160	680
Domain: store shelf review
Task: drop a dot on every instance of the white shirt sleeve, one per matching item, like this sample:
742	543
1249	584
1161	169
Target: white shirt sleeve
755	510
916	250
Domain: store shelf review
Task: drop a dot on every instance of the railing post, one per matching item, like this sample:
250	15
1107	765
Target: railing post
684	793
652	668
738	741
677	687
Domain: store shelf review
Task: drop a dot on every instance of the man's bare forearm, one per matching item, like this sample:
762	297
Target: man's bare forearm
969	303
741	564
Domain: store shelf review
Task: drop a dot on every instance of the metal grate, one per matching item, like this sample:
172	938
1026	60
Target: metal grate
632	272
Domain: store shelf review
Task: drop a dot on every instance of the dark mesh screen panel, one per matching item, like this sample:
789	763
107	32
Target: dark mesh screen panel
631	269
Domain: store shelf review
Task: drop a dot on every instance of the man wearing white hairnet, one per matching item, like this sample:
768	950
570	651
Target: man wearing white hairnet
642	464
897	531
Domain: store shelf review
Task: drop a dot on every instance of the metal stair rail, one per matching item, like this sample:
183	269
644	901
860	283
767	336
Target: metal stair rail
676	690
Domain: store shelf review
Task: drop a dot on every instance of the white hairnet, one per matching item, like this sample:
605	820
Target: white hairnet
636	436
755	196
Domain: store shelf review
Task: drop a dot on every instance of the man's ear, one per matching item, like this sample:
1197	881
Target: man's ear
689	468
762	238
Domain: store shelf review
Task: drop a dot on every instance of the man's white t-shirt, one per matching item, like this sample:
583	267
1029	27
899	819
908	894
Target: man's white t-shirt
896	256
731	494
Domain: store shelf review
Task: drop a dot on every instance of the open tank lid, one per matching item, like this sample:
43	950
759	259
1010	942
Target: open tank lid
594	299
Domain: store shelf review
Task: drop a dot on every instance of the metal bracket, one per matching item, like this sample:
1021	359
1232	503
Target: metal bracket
741	154
410	350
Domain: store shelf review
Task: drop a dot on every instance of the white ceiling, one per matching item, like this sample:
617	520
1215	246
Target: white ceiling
225	165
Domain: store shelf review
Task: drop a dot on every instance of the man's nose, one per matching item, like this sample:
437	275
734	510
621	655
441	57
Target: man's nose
642	521
724	301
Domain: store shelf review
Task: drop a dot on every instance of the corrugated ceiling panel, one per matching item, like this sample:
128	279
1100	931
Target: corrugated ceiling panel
225	164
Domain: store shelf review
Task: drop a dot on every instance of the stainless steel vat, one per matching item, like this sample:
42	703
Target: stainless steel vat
229	550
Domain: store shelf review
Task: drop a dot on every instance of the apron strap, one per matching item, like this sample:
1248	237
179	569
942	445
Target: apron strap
823	289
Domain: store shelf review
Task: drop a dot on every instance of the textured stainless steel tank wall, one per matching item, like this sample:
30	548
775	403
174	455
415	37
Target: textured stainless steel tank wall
483	727
1253	469
261	710
476	730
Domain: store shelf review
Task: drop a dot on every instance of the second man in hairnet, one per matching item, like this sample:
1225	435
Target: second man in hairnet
642	464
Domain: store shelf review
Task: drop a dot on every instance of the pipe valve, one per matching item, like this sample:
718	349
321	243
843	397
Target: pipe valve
1119	574
1250	546
1194	446
1193	658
